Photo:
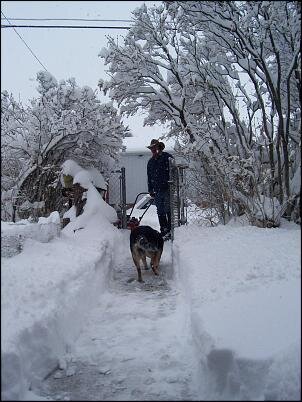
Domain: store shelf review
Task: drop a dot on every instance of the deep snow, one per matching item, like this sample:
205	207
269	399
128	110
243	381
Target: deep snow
221	322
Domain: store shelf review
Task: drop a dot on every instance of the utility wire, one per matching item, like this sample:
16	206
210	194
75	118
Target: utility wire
63	19
25	44
62	26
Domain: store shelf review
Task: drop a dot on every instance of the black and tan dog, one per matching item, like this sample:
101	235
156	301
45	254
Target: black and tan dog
146	242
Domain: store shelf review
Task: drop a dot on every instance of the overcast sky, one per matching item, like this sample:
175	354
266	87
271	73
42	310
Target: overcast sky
65	53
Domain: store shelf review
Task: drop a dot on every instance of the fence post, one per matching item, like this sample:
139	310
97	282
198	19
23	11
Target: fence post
173	188
123	198
14	213
182	189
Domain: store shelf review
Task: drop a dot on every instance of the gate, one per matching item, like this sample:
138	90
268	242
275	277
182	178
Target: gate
116	195
178	205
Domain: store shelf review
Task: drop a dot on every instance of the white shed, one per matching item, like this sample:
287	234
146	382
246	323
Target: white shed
135	164
134	159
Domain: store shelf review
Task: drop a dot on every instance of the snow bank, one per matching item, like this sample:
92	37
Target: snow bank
13	235
41	289
96	213
243	287
240	287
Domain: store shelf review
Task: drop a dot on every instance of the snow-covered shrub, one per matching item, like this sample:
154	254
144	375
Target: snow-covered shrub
80	181
264	211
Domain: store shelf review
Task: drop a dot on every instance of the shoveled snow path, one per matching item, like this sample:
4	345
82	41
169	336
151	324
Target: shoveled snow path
136	343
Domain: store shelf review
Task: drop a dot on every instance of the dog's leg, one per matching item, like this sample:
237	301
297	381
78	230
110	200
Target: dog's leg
154	264
156	259
145	262
136	260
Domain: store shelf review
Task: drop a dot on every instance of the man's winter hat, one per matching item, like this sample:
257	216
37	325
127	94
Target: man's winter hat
156	143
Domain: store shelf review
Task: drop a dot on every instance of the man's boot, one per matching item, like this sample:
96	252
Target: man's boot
163	224
169	221
167	235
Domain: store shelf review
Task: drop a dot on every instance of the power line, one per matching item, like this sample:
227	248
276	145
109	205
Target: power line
63	19
62	26
25	43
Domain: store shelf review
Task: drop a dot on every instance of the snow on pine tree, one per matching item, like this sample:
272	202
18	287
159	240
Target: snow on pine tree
65	121
226	77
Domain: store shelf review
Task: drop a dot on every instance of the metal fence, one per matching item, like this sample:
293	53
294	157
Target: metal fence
15	208
203	199
194	198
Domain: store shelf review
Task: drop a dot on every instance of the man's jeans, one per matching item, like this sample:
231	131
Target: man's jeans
162	202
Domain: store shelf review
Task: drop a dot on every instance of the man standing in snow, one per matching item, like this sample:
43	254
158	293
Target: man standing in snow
158	186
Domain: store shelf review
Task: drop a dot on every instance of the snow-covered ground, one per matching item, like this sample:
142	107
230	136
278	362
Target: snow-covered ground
221	322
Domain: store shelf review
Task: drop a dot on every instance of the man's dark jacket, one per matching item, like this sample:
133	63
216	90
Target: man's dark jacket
158	173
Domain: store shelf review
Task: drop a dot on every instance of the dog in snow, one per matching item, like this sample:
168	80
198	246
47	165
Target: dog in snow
146	242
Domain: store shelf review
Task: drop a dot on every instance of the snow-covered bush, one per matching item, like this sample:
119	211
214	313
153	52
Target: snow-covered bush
79	182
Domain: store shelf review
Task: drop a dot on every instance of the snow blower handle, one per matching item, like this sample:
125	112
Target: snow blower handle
141	217
135	203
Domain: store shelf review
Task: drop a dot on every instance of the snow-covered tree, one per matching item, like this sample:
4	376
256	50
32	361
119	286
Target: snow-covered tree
65	121
226	76
261	40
